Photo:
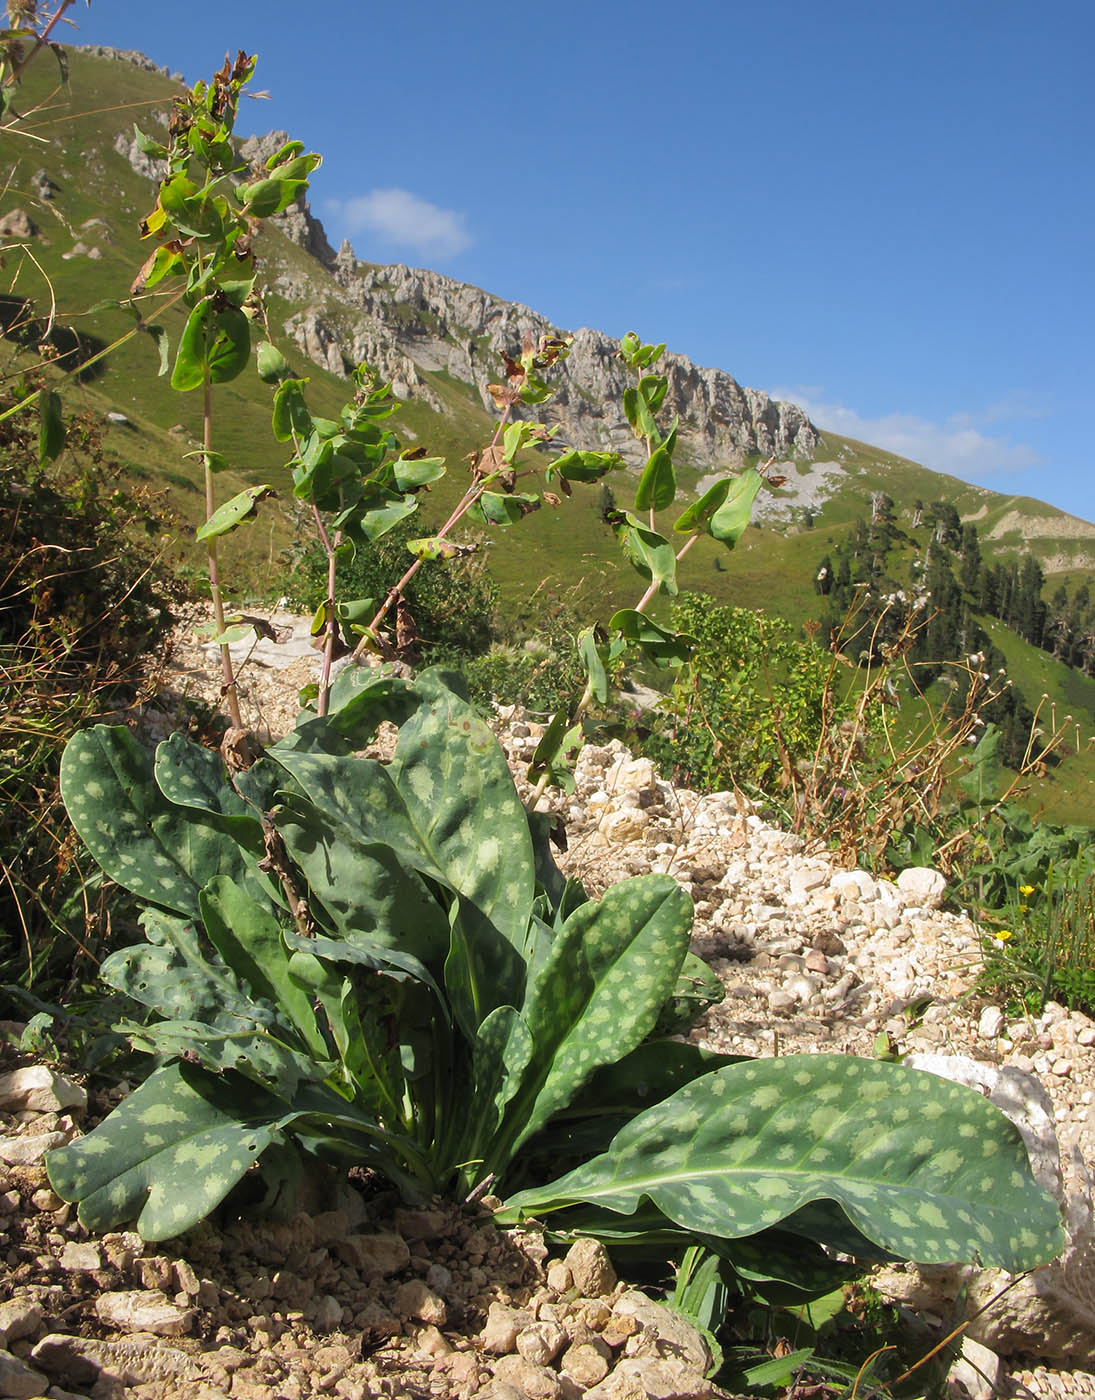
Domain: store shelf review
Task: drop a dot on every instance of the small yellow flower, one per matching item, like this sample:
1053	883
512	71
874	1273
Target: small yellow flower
1024	908
1001	935
1026	889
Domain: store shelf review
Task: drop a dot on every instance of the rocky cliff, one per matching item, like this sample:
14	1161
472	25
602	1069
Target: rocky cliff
411	319
405	320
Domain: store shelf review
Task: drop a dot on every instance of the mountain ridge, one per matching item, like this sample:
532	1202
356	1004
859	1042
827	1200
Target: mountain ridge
438	339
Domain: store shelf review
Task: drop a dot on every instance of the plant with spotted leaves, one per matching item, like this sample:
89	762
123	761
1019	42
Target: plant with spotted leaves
381	965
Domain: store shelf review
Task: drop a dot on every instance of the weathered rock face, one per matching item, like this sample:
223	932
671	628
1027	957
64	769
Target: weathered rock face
404	321
127	145
445	325
133	56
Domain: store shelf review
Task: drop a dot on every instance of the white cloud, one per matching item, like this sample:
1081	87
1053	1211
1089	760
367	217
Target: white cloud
958	445
403	219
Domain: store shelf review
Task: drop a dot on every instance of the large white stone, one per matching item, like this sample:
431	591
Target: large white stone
38	1088
1051	1312
923	886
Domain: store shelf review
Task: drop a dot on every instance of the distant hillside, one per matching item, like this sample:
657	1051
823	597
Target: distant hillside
84	190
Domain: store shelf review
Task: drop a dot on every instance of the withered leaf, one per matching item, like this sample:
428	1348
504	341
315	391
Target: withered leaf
502	395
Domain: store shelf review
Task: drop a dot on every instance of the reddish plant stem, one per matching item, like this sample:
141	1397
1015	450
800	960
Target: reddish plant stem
214	566
331	619
41	40
470	496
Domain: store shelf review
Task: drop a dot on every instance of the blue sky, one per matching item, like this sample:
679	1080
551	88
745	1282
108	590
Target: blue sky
882	211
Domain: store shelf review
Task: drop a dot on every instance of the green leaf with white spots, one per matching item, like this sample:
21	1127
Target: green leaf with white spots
359	700
358	951
923	1168
162	977
190	776
459	795
598	992
236	1043
249	939
501	1053
167	1155
612	1096
208	1015
362	885
158	851
365	844
698	987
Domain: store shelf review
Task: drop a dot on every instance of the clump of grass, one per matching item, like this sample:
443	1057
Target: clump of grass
1044	947
82	600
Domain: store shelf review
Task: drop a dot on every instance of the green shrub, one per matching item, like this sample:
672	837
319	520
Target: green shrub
752	706
1044	947
453	603
533	671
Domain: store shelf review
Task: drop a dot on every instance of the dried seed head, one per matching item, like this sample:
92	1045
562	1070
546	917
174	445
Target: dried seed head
22	14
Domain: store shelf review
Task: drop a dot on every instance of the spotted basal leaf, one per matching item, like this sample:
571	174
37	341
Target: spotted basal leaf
600	989
160	852
926	1169
166	1156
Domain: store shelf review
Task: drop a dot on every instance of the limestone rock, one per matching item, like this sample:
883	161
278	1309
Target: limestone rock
650	1378
131	56
19	1380
976	1374
375	1254
499	1334
316	340
28	1148
144	1311
403	321
38	1088
43	186
81	1257
17	223
590	1268
134	1360
19	1318
664	1332
415	1299
586	1363
326	1313
923	886
148	167
534	1381
990	1024
541	1342
423	1224
624	825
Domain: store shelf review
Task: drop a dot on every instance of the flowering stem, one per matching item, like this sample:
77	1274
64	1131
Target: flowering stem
214	566
470	496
